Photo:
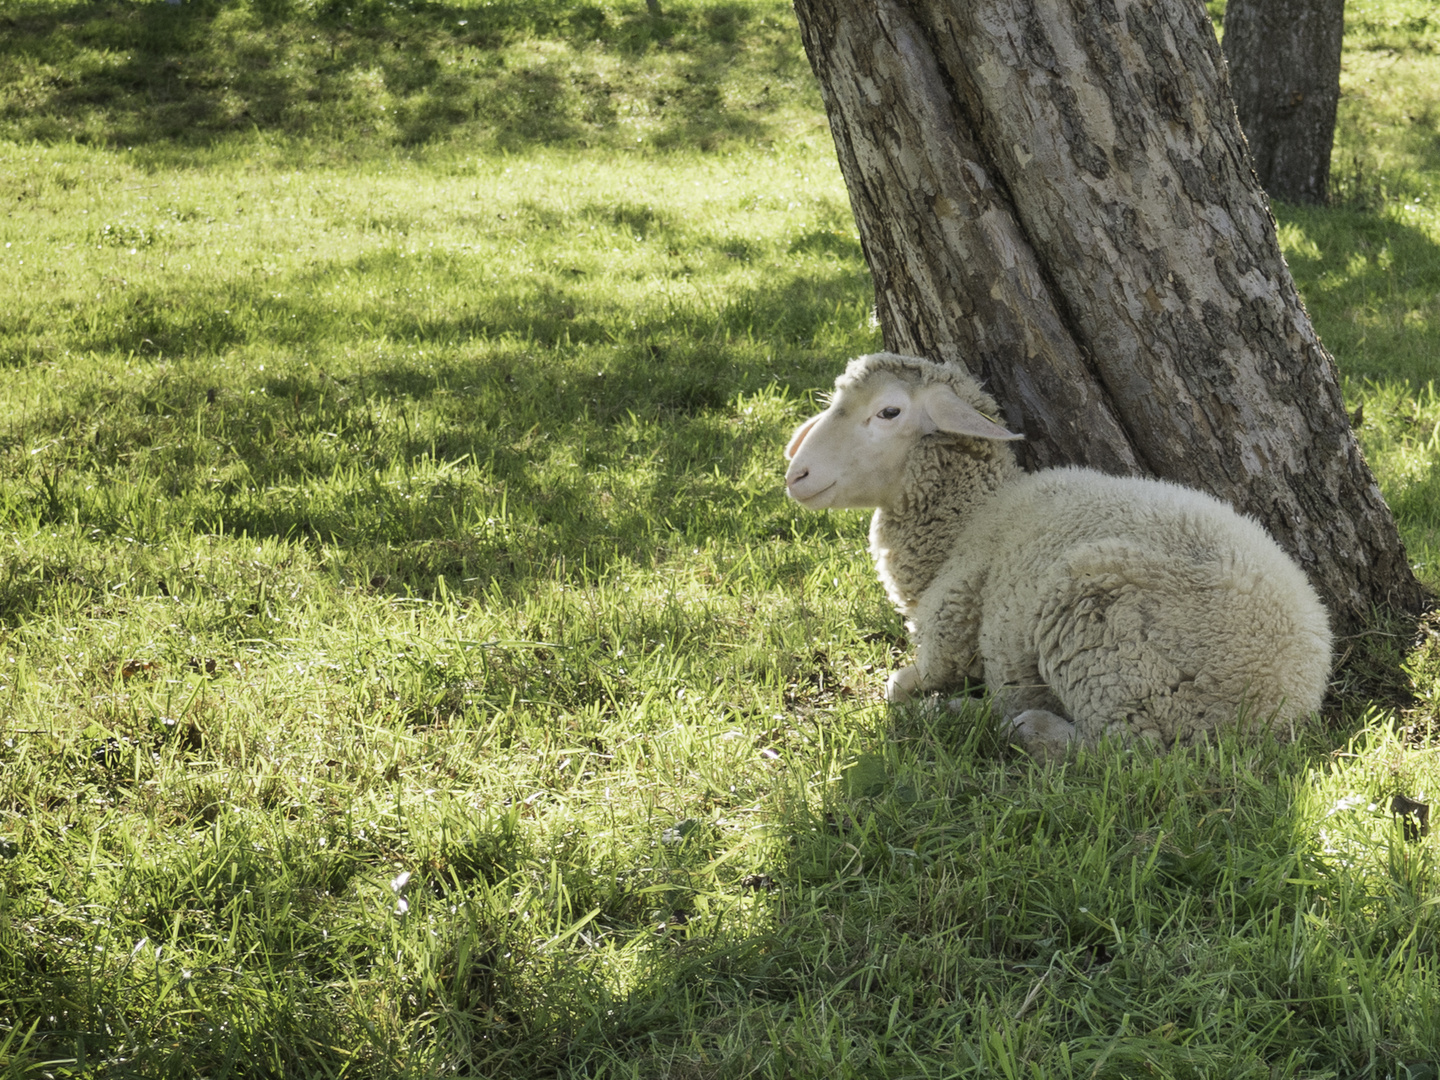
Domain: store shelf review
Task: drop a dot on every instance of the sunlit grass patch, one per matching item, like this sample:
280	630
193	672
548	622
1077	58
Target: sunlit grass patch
410	662
486	249
351	78
1401	434
1371	282
1385	145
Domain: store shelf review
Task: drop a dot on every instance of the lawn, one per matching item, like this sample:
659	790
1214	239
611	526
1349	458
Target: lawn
410	664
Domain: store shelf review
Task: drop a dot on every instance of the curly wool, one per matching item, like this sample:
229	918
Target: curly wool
1130	607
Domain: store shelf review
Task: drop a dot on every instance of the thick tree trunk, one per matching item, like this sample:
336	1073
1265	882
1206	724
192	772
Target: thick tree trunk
1284	58
1058	196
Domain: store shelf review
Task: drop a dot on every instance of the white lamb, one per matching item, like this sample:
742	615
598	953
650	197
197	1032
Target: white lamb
1090	605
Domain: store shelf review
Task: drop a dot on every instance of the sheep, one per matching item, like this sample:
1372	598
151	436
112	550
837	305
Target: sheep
1089	605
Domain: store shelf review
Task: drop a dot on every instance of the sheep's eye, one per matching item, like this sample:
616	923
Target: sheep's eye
889	412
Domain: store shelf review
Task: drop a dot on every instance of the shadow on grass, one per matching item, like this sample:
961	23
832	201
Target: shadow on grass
150	74
915	892
256	1023
545	311
1163	912
405	464
1373	286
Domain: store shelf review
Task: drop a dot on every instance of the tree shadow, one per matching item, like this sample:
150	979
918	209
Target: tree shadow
380	74
1379	277
362	462
1373	282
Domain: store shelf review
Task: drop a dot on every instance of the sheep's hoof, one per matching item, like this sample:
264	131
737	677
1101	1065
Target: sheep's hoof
902	684
1042	735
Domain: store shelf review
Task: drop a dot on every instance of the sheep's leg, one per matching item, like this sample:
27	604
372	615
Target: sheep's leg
945	656
945	628
1034	716
932	670
1018	692
1043	735
902	684
1118	622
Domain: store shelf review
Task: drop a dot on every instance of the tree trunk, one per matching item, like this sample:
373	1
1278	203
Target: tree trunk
1284	58
1058	196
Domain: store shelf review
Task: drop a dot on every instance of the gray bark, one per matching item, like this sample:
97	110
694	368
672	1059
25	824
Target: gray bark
1058	196
1284	58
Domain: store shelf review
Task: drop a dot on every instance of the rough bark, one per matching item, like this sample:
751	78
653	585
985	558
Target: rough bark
1058	196
1284	58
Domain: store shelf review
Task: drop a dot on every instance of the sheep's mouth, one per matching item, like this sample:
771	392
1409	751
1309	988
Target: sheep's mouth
806	500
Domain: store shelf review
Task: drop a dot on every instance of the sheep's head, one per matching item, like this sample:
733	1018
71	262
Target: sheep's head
854	453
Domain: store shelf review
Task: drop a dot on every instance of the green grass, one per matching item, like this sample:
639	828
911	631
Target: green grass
410	664
359	77
1389	107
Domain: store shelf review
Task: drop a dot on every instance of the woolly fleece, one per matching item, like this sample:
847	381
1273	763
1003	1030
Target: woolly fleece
1131	607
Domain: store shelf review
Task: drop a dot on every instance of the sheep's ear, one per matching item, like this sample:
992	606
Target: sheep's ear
949	413
793	447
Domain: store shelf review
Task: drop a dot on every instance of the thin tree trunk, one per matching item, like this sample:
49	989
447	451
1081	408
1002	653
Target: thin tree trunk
1284	58
1058	196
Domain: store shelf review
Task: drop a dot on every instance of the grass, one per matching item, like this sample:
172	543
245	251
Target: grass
410	664
357	77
